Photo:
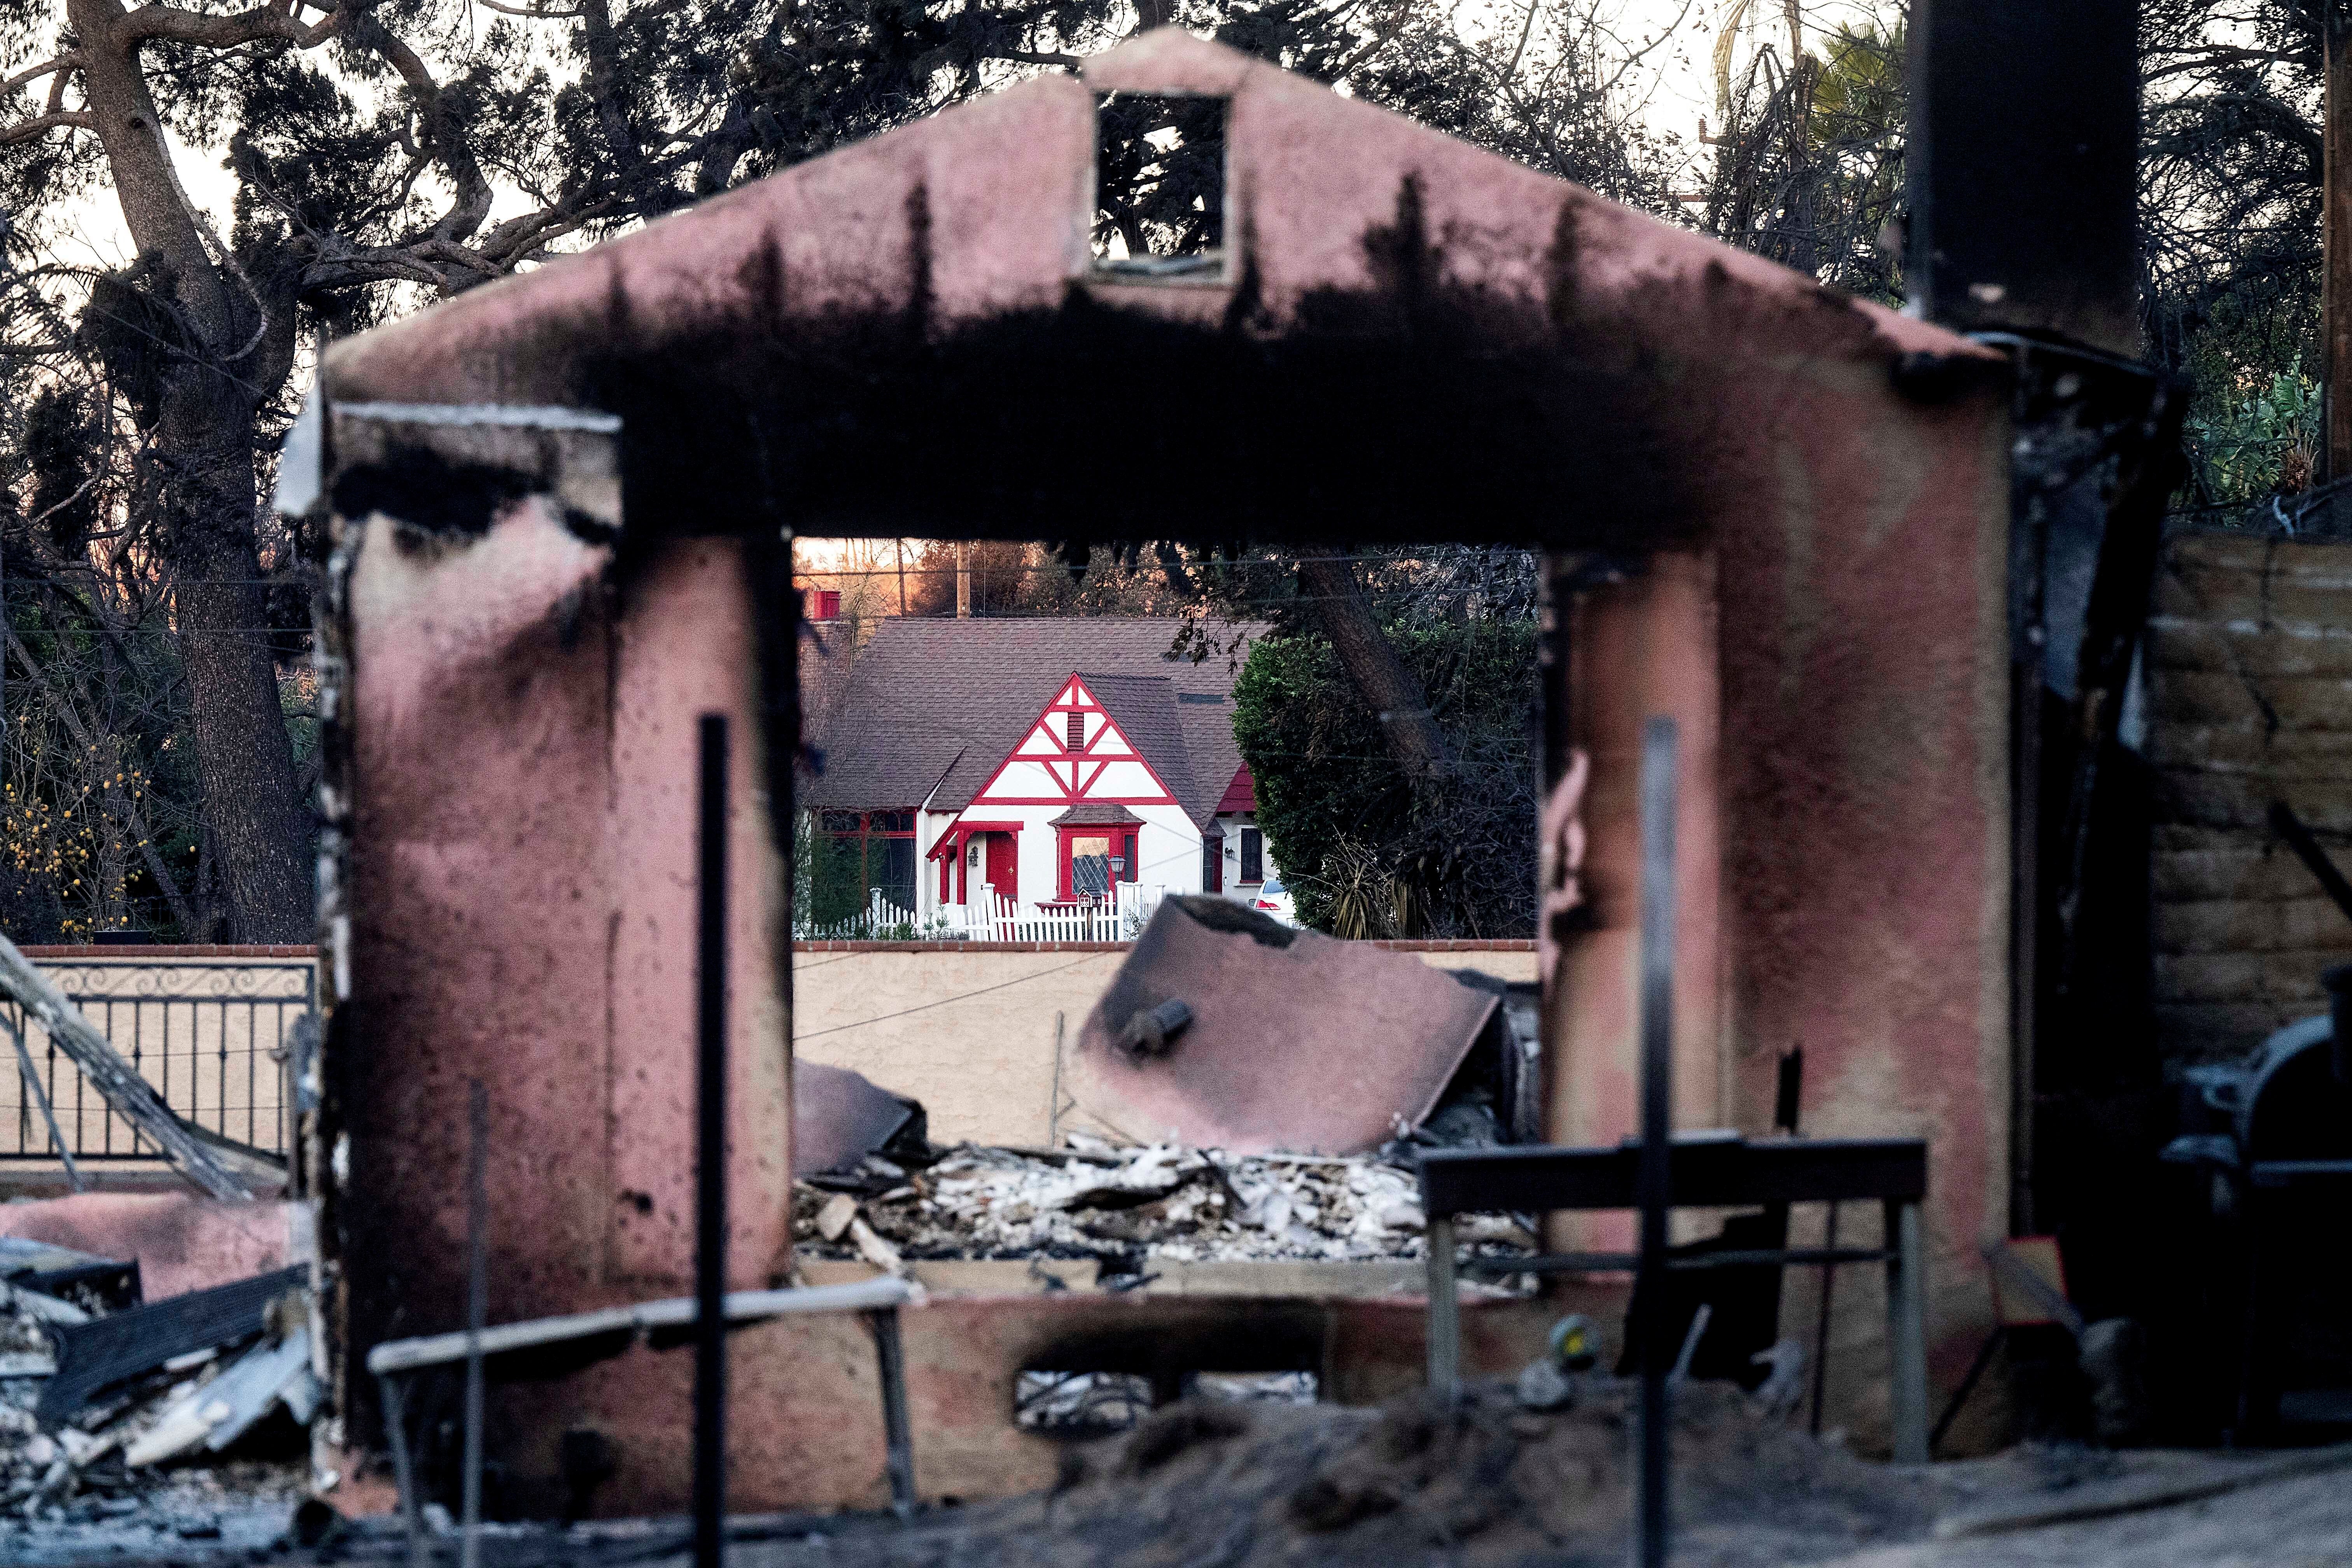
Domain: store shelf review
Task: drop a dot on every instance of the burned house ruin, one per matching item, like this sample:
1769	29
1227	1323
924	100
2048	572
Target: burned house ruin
561	503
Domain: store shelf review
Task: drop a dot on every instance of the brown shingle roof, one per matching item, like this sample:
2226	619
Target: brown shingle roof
932	705
1144	709
1094	815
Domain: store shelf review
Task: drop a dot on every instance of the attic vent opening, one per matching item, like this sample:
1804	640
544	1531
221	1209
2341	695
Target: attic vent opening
1159	187
1074	732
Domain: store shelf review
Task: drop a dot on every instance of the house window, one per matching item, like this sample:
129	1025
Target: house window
1088	855
1095	858
877	853
825	603
1073	731
1213	865
1252	854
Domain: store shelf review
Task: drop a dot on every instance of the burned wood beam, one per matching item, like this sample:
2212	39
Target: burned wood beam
132	1096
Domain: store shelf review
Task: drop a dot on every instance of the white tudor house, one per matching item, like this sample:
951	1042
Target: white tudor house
1045	757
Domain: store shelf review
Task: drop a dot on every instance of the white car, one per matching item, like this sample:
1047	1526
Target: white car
1272	898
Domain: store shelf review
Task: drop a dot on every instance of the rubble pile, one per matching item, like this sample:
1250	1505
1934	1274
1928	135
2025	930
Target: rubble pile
1159	1203
97	1393
1270	1484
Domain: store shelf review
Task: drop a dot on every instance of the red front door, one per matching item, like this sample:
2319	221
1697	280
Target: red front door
1003	865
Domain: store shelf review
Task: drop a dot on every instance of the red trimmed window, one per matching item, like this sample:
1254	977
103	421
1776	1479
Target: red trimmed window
1095	858
1252	856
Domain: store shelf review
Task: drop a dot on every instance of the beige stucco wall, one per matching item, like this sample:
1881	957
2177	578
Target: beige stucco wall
971	1035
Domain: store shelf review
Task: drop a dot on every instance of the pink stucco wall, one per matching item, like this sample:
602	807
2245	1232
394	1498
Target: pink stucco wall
182	1242
521	881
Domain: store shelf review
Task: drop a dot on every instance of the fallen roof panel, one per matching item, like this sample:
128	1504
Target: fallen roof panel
1298	1042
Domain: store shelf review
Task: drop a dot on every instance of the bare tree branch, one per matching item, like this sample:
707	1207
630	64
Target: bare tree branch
25	129
219	32
65	62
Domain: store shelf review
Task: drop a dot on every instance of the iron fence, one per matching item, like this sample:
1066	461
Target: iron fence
210	1034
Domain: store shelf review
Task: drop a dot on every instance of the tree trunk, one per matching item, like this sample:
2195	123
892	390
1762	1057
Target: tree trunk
1379	676
245	759
205	522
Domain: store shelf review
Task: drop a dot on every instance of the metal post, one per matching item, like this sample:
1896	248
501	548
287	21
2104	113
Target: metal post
2336	229
404	1474
41	1098
478	1292
711	1158
896	1433
1444	1311
1822	1326
2028	563
1906	1329
1654	1185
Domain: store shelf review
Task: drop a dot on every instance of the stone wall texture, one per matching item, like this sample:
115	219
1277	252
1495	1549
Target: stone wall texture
2250	700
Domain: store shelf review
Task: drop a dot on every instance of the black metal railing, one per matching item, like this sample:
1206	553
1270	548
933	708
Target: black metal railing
210	1034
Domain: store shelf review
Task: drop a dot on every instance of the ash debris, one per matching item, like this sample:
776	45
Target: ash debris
1158	1203
108	1419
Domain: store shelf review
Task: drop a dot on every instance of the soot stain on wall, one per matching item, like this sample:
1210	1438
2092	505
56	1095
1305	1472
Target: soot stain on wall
1411	409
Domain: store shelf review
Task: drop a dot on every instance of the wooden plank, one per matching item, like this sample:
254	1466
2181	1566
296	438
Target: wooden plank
2223	696
2246	925
116	1080
2256	647
2246	870
2276	979
2249	745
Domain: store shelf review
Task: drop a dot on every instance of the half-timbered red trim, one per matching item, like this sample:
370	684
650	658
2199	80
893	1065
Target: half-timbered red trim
1077	790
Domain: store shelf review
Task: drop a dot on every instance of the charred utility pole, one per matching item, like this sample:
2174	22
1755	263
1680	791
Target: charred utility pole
2335	228
2023	170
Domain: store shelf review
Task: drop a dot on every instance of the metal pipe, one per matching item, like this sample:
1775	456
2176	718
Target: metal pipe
1654	1183
1444	1311
710	1156
897	1434
1906	1329
1821	1324
478	1292
404	1472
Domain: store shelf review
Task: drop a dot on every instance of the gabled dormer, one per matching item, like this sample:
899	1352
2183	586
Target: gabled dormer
1079	749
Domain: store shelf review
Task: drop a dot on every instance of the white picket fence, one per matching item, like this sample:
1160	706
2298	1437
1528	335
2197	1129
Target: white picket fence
881	922
989	918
